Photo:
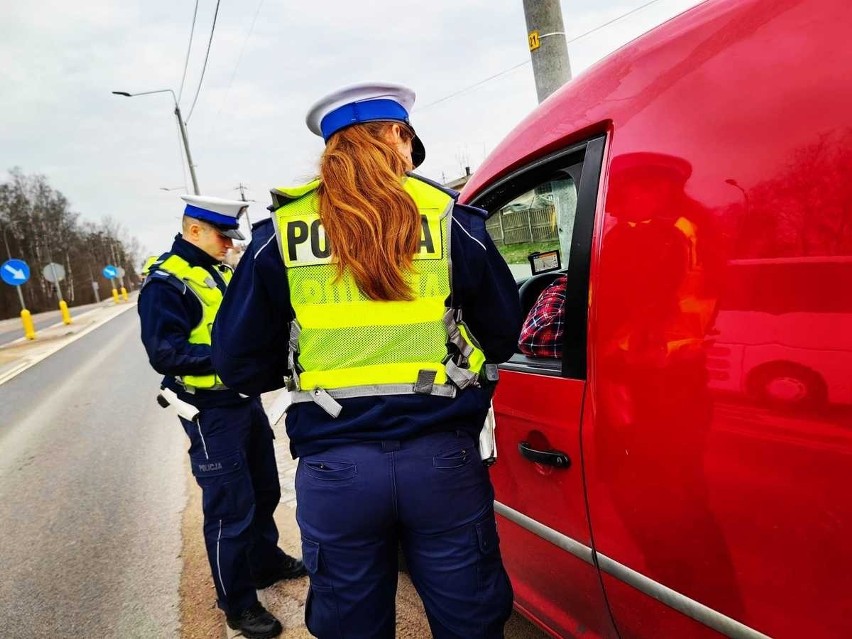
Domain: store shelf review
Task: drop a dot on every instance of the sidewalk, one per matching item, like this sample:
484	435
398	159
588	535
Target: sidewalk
21	354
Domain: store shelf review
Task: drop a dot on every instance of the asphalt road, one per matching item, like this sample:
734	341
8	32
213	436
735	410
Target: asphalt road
92	487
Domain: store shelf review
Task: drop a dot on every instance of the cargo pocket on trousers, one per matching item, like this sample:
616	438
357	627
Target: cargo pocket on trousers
322	615
490	567
226	489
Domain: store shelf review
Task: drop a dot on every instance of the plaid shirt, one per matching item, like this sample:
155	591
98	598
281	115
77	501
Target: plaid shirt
543	329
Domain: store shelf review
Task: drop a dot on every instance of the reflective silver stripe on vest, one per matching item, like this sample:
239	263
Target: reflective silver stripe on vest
461	377
326	399
293	350
454	335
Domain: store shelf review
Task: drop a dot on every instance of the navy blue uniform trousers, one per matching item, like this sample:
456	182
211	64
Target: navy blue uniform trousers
356	502
234	463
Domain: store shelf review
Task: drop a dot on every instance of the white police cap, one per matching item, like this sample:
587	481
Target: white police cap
219	212
366	102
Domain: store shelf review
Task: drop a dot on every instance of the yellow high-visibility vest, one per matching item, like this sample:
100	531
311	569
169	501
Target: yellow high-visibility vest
200	283
344	344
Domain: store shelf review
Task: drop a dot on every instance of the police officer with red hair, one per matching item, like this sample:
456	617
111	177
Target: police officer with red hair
386	306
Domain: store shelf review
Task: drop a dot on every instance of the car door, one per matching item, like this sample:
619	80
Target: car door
538	476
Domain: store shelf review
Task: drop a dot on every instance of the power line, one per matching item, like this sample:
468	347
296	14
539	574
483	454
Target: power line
188	49
206	57
525	62
616	19
473	86
242	189
239	60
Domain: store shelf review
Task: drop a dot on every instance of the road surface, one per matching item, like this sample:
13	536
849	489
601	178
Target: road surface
92	487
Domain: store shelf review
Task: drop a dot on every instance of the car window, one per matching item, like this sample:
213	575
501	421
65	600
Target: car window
786	285
541	220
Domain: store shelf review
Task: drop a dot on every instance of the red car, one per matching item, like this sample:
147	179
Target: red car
685	468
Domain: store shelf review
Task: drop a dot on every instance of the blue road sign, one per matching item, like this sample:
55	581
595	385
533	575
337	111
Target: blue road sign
15	272
110	271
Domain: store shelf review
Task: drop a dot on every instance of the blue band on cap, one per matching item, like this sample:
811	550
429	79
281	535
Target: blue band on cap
366	111
209	216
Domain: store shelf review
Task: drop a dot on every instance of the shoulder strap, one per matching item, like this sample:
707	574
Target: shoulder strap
153	272
284	194
451	192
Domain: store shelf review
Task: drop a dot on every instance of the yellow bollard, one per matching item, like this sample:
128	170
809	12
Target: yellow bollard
29	328
66	316
115	296
124	293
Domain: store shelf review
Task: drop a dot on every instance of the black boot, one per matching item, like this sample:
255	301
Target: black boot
255	623
285	567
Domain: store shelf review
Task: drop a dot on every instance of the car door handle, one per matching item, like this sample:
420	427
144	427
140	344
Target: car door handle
547	457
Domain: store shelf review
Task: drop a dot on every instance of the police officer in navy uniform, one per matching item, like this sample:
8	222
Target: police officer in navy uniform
231	449
387	307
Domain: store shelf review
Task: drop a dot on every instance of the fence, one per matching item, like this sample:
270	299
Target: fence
517	227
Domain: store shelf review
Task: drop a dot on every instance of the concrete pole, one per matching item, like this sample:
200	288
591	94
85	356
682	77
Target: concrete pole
548	48
185	139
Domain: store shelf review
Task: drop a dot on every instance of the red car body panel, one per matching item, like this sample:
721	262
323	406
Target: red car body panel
532	406
711	440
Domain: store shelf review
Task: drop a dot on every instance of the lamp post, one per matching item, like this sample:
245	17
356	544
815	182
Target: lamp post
180	124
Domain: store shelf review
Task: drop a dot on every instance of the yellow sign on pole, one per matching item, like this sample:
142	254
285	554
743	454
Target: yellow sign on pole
534	40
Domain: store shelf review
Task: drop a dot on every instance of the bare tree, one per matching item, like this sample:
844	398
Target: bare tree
38	226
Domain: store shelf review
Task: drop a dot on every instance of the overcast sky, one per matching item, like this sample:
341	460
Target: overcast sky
270	60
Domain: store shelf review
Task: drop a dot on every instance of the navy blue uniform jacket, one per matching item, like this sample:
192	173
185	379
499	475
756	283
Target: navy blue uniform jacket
252	330
168	314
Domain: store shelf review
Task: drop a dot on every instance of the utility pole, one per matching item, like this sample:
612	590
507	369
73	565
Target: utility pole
185	139
548	47
242	187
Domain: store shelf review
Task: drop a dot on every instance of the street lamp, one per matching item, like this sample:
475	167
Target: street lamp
736	184
180	124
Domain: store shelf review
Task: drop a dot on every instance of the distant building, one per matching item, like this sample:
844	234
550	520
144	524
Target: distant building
458	183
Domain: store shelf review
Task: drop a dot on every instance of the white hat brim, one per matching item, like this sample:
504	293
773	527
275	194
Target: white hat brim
357	93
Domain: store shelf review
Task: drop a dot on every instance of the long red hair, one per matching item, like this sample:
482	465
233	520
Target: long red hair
372	224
